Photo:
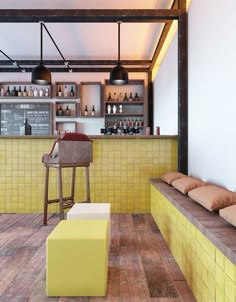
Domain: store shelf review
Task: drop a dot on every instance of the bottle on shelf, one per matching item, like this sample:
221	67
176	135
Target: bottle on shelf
65	91
67	111
114	97
120	108
35	92
131	97
46	93
41	92
109	99
8	93
14	92
120	98
2	91
60	111
28	128
109	109
19	91
125	98
24	92
136	97
93	111
59	93
30	93
86	110
114	109
72	93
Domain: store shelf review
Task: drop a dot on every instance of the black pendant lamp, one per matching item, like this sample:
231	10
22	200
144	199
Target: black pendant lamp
118	74
40	74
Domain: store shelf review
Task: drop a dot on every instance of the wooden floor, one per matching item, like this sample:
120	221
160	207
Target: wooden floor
141	267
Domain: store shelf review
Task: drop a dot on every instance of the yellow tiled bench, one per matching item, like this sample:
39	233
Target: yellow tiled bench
210	273
77	258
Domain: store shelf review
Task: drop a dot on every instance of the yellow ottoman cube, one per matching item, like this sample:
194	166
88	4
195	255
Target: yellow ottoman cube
77	258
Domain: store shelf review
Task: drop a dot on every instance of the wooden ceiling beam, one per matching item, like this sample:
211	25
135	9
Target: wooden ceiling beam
87	15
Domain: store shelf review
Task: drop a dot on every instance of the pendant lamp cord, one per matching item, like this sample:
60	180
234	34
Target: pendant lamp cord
119	22
65	62
41	42
13	62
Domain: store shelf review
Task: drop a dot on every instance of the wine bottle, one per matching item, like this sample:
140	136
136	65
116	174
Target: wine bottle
28	128
59	93
120	98
130	97
72	93
114	97
8	93
30	93
109	99
2	91
86	110
125	98
67	111
136	98
24	91
93	111
19	91
59	111
65	91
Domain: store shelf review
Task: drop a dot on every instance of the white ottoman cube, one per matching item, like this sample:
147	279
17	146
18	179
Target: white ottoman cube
94	211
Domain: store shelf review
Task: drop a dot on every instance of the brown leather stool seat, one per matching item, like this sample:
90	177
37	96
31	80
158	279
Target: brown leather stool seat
71	151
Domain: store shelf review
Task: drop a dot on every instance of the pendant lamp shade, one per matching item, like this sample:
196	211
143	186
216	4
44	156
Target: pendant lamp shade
118	74
40	74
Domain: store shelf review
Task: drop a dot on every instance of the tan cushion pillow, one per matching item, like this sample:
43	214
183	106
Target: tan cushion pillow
229	214
187	184
171	176
213	198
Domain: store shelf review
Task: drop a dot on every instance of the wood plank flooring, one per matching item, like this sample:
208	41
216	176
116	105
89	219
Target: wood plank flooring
141	268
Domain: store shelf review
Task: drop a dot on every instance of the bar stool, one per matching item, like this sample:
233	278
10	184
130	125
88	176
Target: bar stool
71	151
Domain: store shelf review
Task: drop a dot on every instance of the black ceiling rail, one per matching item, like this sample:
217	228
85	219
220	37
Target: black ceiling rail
88	15
80	62
75	69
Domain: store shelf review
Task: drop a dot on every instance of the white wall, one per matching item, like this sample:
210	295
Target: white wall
212	97
166	93
89	126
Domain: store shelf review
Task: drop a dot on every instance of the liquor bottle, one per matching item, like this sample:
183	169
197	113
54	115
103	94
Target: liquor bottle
35	92
109	99
93	111
59	111
28	128
19	91
2	91
130	97
14	92
72	93
125	98
114	97
120	98
24	91
30	93
109	109
86	110
67	111
59	93
114	109
8	93
136	98
65	91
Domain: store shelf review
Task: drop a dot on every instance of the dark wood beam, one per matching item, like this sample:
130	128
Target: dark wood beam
150	102
88	15
75	69
183	89
78	62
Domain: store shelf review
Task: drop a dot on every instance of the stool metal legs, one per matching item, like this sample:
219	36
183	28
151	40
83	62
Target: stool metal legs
46	196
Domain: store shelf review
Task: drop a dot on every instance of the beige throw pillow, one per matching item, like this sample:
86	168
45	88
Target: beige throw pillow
187	184
172	176
213	198
229	214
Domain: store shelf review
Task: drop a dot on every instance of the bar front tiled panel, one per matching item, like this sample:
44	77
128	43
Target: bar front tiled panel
119	174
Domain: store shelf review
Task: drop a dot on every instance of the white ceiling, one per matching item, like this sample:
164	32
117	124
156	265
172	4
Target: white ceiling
81	41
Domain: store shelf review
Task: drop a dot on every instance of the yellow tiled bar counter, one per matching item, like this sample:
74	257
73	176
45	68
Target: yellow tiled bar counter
119	173
203	244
